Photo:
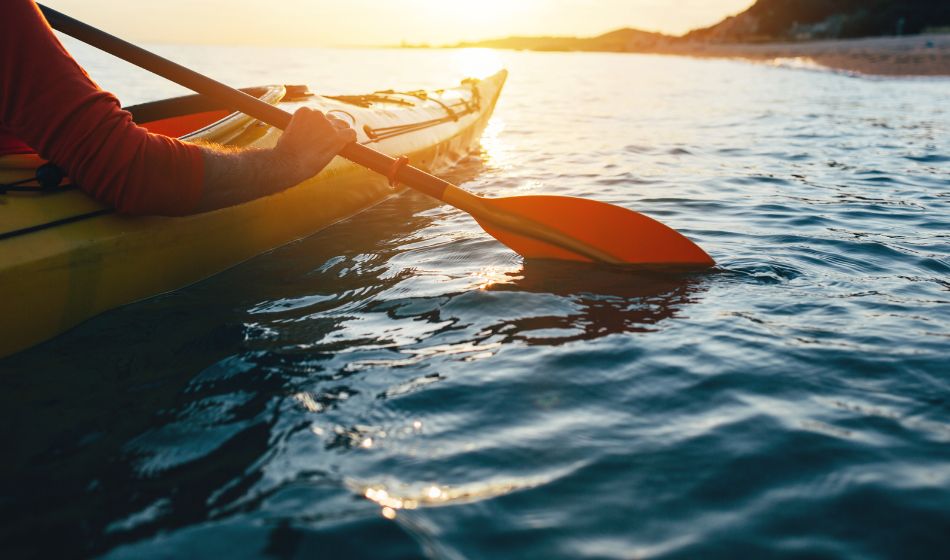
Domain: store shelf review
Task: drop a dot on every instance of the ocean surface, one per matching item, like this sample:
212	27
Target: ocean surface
400	385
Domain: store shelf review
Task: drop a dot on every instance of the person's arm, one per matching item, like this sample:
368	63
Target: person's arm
233	176
48	102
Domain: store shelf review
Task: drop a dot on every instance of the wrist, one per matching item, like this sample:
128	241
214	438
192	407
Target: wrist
287	164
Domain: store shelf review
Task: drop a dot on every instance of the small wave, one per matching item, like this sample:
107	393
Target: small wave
761	272
929	158
636	149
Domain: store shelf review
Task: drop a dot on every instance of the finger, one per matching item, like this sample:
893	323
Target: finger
347	136
304	118
314	115
306	112
340	124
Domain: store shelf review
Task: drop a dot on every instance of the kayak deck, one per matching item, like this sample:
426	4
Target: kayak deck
71	257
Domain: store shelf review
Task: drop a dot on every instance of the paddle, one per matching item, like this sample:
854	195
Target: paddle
537	226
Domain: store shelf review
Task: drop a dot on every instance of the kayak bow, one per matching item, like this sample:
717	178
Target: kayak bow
65	257
628	238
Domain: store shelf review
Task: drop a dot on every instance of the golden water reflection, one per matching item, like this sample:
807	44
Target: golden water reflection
405	497
477	63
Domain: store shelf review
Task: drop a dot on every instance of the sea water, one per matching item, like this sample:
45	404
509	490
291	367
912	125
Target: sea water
400	385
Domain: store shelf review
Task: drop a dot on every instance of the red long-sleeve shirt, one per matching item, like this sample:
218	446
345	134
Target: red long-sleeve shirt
49	104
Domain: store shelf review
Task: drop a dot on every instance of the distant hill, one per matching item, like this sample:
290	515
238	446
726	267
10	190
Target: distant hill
783	20
621	40
765	21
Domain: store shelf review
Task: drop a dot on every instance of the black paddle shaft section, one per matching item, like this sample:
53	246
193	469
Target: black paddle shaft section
233	98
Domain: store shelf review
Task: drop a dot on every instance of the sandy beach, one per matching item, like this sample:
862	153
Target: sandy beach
918	55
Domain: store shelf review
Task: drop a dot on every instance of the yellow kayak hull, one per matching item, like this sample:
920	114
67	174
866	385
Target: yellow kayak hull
65	258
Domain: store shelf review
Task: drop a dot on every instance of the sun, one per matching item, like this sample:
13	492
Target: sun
475	20
477	63
492	12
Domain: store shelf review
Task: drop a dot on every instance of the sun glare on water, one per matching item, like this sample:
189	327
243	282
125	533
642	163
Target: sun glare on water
477	63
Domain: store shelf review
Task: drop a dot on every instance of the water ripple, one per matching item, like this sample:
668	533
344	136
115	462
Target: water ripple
401	386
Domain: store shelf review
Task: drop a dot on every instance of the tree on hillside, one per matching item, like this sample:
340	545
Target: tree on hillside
769	20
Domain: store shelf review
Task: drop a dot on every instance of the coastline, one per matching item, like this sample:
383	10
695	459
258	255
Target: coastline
915	55
910	55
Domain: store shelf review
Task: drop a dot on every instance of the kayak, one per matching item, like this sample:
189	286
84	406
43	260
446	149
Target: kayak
65	257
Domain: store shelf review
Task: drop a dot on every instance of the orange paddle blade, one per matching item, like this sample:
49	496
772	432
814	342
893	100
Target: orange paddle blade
629	236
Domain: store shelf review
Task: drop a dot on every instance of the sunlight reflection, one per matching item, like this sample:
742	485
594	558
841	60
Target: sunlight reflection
492	275
797	63
496	153
477	63
307	401
409	498
474	350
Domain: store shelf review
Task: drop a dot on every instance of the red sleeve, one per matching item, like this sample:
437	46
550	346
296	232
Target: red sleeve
50	103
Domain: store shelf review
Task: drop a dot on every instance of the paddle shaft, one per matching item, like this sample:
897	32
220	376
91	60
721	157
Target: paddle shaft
235	99
357	153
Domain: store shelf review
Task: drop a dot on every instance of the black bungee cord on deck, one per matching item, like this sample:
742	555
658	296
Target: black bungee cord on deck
47	175
49	178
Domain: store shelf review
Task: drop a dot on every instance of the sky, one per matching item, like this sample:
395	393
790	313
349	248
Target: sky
385	22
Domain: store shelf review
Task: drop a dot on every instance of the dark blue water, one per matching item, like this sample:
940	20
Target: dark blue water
401	386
